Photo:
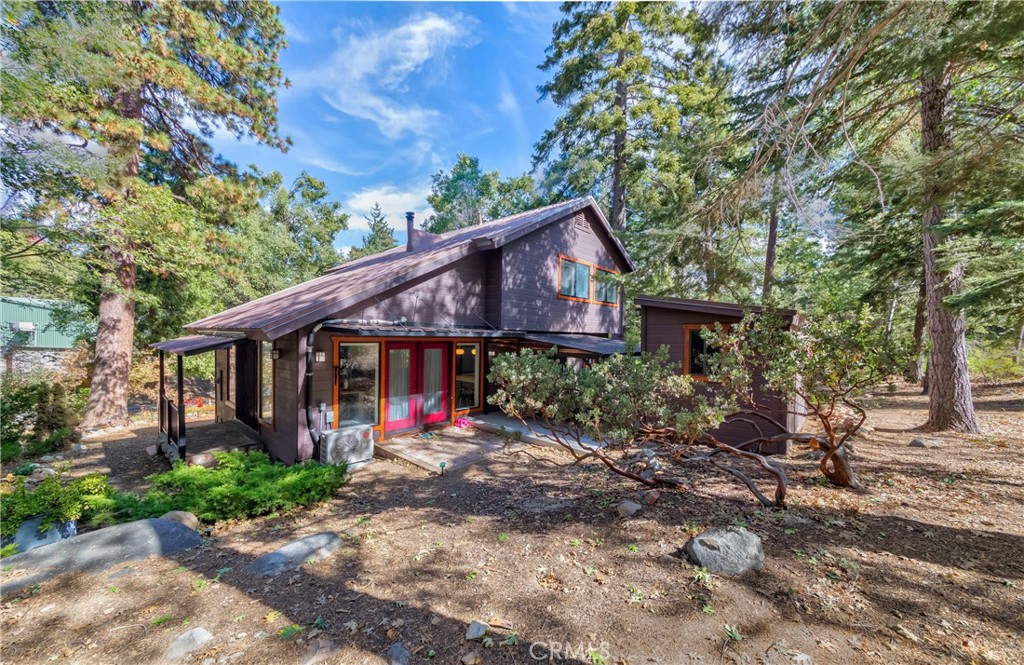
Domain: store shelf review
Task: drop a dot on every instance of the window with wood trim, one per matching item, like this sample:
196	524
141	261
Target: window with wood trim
467	375
697	351
573	279
605	292
358	383
267	382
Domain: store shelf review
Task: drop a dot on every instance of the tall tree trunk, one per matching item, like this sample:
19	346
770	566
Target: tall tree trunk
619	150
916	370
115	334
769	254
950	403
1020	346
115	338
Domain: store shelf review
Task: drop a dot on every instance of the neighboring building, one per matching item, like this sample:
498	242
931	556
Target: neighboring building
30	338
402	340
676	323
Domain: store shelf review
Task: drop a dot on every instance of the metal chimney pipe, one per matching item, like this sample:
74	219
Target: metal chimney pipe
409	223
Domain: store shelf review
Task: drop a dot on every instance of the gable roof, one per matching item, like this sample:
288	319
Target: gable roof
353	282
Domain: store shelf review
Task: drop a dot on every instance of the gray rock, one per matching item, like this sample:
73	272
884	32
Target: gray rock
100	550
926	443
727	550
471	658
321	650
628	508
48	459
79	449
182	517
476	630
188	642
398	654
39	474
29	537
294	554
542	505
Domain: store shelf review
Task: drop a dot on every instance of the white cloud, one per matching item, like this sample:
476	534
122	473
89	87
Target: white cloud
509	106
373	75
394	202
294	34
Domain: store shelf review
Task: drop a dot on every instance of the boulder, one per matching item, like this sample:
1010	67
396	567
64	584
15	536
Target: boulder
291	556
187	642
726	550
29	537
182	517
100	550
39	474
476	630
926	443
398	654
628	508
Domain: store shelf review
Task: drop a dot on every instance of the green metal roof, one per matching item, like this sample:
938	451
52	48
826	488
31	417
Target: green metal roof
28	323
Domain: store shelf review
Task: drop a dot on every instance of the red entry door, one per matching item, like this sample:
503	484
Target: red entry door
434	384
418	391
400	405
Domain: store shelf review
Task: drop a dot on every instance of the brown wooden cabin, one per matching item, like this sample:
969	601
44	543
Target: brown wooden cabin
403	340
676	324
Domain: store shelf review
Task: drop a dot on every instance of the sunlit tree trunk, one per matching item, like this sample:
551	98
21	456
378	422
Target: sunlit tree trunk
618	153
115	334
950	403
916	370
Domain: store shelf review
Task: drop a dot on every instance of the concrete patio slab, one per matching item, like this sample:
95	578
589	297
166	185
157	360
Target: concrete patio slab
453	446
500	424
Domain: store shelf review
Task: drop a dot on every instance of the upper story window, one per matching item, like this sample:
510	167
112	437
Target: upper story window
605	291
573	279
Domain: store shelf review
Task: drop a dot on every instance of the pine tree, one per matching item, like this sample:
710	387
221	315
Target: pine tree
468	195
845	80
137	86
381	237
624	74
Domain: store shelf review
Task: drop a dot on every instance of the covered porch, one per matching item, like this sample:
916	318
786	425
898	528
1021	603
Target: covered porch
194	442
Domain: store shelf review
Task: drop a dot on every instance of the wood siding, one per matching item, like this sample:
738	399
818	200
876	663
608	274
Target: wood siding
529	290
455	295
664	327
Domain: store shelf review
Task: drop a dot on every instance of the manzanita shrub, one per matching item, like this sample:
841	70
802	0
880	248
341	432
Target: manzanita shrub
608	409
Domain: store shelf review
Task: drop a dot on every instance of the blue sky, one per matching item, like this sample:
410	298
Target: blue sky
385	94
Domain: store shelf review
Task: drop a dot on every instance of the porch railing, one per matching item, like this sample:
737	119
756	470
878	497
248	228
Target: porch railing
172	424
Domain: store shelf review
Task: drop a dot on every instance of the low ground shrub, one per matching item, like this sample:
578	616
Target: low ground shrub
994	364
241	485
52	499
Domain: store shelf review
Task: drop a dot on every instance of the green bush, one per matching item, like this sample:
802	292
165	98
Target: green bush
241	485
52	499
994	364
35	411
18	396
54	441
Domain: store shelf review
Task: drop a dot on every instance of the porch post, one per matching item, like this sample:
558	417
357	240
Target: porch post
160	407
181	408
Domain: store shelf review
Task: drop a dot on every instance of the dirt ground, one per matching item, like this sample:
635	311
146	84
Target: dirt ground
925	566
